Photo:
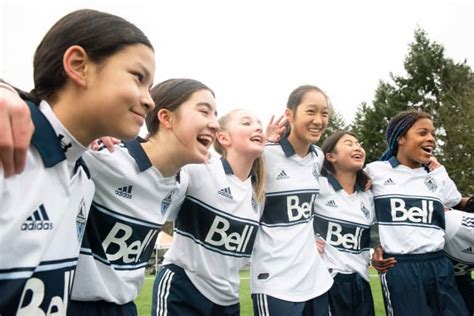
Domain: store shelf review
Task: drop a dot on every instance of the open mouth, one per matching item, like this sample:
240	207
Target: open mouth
427	149
257	139
358	156
206	140
315	130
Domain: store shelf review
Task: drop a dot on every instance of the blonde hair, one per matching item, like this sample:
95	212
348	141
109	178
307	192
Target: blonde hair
258	166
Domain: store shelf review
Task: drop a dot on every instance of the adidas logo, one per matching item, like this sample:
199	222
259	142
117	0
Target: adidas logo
225	192
331	203
282	175
39	220
468	250
389	181
125	192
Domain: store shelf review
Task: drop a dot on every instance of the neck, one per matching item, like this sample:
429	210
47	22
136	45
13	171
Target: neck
347	179
404	160
301	148
241	165
163	156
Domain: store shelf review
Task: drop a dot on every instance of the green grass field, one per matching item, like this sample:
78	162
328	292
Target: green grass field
144	299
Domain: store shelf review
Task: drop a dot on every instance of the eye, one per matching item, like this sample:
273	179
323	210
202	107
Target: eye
325	114
310	112
139	75
246	123
204	111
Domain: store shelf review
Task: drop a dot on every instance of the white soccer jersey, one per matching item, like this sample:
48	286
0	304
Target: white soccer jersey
43	213
285	261
343	220
409	206
130	205
459	244
215	230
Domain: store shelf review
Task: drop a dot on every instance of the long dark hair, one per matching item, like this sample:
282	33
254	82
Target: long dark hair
329	146
100	34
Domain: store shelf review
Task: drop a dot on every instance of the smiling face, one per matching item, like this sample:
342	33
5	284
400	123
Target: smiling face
309	120
118	92
243	134
415	148
347	155
195	125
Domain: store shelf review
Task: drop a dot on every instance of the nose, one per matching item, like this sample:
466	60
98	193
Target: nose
259	128
147	101
213	124
317	119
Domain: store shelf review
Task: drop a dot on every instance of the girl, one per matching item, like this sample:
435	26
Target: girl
216	224
459	248
409	203
287	274
134	187
92	74
344	214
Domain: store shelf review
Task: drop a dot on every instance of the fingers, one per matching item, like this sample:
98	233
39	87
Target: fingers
23	129
109	142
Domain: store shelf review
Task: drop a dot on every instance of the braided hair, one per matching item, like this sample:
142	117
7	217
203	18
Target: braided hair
399	126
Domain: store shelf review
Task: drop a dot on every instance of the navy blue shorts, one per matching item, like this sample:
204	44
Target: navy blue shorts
422	284
175	295
466	286
266	305
351	295
100	308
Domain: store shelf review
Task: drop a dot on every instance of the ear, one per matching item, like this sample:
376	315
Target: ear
224	139
401	140
330	157
289	115
76	65
166	118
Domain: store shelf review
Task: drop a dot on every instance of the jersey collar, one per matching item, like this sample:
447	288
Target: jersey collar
290	151
45	139
394	163
337	186
228	169
137	152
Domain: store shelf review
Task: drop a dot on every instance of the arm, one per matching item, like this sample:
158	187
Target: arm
17	129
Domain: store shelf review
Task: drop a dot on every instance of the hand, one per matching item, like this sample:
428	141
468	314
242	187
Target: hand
16	131
320	245
274	130
379	263
107	141
433	164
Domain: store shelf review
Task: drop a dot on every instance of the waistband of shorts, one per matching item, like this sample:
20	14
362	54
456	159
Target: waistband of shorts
416	256
175	268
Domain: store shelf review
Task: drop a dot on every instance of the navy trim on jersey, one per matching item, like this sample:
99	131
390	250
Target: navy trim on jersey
290	151
27	272
124	217
45	139
88	252
337	186
137	152
228	169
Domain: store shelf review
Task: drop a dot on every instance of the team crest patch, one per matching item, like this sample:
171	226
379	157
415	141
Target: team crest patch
431	184
81	221
364	210
254	205
166	202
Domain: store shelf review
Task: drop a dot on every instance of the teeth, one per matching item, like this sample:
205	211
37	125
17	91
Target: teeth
206	139
257	138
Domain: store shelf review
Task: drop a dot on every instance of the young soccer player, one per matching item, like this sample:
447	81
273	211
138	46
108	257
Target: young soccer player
409	203
135	186
288	276
459	247
344	213
92	74
216	225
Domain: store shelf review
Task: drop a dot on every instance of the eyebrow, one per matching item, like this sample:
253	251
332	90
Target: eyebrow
251	118
207	105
